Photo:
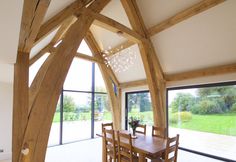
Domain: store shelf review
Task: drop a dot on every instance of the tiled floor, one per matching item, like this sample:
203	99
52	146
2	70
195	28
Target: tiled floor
90	151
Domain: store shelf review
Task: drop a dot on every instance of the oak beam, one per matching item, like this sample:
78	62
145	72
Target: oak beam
89	58
135	83
32	17
211	71
63	29
20	102
151	64
58	19
44	105
116	27
107	76
192	11
120	47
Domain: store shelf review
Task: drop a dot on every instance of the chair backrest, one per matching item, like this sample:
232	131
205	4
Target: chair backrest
107	126
141	129
109	139
158	132
125	149
172	149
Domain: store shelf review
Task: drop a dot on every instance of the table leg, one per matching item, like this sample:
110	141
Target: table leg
141	158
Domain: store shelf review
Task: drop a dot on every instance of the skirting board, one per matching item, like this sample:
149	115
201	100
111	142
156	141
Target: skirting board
5	156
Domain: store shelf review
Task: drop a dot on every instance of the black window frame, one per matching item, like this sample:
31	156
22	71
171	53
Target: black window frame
217	84
93	92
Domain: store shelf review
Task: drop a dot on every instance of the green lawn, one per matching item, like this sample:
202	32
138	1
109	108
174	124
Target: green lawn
220	124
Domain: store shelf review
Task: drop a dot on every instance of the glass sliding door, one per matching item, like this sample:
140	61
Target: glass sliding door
138	105
76	116
205	118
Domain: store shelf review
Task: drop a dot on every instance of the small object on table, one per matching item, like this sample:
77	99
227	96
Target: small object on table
133	124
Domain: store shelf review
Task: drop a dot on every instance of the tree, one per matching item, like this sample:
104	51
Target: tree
182	102
68	104
225	96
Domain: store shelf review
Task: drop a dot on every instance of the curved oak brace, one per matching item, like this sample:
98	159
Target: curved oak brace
44	104
114	99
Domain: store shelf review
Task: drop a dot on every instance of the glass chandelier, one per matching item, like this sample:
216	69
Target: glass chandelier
120	61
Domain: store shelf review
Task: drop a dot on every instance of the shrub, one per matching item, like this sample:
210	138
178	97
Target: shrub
181	116
206	107
233	108
69	116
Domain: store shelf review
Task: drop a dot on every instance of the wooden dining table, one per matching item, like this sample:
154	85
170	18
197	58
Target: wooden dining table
144	145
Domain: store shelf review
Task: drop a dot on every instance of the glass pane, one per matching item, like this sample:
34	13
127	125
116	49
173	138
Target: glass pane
139	106
54	137
84	49
102	112
205	118
79	76
34	68
76	116
99	82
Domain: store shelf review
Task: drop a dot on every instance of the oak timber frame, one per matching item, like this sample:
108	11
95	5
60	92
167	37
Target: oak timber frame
34	106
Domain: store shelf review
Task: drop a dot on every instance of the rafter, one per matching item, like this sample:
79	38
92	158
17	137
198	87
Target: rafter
150	61
33	14
135	83
59	18
194	10
116	27
217	70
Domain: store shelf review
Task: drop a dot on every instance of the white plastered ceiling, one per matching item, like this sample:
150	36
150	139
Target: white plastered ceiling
55	7
156	11
135	71
43	43
205	40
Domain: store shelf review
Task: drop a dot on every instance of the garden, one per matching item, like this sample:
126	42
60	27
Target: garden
211	110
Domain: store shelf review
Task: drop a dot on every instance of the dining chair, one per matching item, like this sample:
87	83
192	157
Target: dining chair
110	145
171	151
107	125
141	129
158	132
125	148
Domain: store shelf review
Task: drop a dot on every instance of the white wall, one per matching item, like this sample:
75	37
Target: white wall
6	104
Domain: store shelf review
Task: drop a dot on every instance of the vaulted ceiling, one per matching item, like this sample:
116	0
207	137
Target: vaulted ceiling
204	40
